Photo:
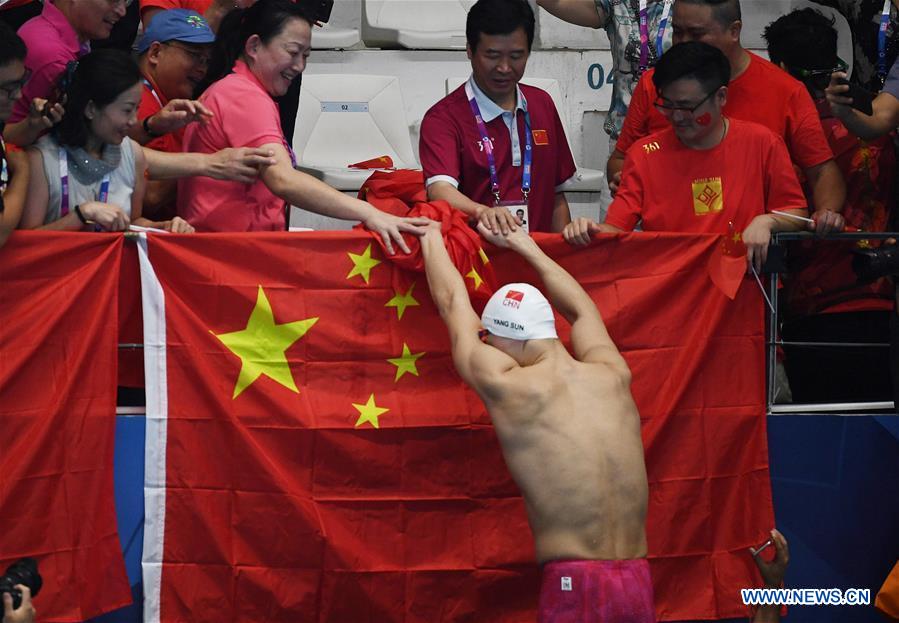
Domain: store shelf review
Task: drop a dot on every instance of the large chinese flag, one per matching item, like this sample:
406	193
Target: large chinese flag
313	456
58	303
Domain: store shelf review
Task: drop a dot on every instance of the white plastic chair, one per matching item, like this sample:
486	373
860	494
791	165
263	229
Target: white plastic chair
421	24
343	30
344	119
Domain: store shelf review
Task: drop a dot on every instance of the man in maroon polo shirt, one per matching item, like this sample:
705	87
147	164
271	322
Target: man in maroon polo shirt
520	131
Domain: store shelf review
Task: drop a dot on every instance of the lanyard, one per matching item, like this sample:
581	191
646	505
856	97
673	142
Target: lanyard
4	174
663	24
290	151
64	182
643	17
153	92
488	148
882	40
4	169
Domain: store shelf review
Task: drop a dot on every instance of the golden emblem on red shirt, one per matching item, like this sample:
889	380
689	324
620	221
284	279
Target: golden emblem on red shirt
708	196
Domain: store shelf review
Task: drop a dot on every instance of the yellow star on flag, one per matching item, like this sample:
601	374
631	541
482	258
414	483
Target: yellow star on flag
402	301
362	264
262	344
405	363
474	276
484	257
369	412
737	236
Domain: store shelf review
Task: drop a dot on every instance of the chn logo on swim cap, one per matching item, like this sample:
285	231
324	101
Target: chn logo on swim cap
513	299
519	311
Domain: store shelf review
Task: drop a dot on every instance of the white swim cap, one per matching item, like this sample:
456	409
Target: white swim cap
519	311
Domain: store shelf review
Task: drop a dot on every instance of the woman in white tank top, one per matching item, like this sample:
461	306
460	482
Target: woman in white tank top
87	174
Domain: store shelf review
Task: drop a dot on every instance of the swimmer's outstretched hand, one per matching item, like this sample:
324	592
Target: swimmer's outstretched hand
514	239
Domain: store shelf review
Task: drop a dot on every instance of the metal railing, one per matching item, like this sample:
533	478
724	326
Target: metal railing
774	340
772	343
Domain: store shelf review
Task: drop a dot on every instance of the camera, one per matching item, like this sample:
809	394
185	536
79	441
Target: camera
872	264
23	572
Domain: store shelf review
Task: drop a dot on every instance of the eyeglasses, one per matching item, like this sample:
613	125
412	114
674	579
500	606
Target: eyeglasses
670	109
197	58
11	88
820	78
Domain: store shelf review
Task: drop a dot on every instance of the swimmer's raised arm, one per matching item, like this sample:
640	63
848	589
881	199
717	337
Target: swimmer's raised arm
447	286
478	364
589	338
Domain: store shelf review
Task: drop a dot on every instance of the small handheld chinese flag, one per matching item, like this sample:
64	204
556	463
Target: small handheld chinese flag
727	265
381	162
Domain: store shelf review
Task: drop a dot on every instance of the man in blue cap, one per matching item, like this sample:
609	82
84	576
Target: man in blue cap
173	56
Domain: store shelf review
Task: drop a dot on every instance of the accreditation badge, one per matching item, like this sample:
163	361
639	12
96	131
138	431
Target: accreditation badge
519	209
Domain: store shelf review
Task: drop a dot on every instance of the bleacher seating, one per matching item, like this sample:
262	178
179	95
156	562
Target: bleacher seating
415	24
347	119
343	30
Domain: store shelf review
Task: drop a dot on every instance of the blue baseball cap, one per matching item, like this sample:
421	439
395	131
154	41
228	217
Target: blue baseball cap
176	25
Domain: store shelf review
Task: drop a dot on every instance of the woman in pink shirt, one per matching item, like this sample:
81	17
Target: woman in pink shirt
264	48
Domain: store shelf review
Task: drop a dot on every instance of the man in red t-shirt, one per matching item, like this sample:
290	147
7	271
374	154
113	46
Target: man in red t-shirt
758	91
705	173
455	153
173	57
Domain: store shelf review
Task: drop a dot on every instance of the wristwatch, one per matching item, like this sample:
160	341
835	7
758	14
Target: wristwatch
146	127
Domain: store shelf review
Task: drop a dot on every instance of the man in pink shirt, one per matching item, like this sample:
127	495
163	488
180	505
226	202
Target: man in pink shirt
60	34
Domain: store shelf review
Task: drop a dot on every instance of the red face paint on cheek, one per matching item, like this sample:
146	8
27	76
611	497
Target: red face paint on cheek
704	119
